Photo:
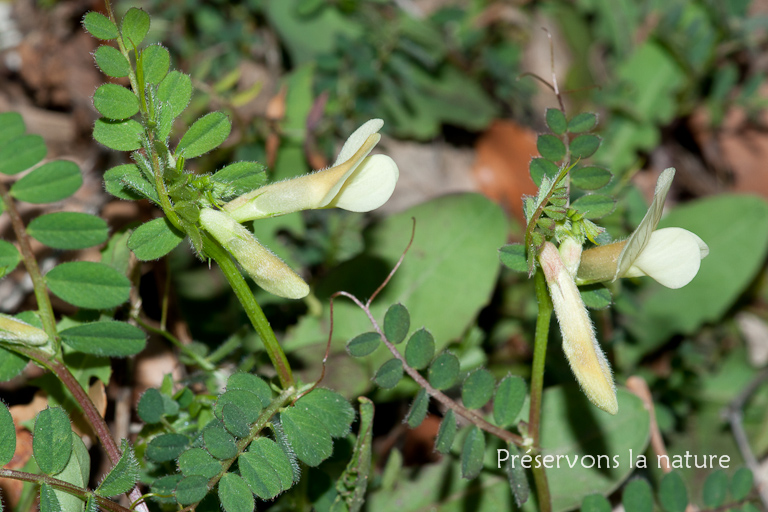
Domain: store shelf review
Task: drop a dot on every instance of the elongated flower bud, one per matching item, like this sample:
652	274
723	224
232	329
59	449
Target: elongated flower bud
587	360
20	333
265	268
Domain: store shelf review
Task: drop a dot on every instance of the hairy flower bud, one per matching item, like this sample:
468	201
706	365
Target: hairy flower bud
17	332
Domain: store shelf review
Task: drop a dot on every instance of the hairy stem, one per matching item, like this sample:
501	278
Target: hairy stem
252	309
537	384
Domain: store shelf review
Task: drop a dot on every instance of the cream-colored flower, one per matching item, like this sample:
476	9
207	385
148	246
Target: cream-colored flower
587	360
267	270
356	182
671	256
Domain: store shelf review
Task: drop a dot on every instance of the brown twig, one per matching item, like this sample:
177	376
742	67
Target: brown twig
639	387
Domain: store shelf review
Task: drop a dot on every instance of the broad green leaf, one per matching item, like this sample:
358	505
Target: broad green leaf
191	489
582	122
509	399
21	153
247	403
572	427
397	323
596	296
106	338
418	410
389	374
477	388
252	383
637	496
364	344
135	26
154	239
118	135
259	474
175	90
472	453
594	206
205	134
156	62
9	257
52	181
310	441
126	182
556	121
219	442
735	227
7	435
150	408
271	452
11	126
540	167
420	349
115	102
234	421
48	501
240	178
166	447
234	494
69	230
550	147
353	483
99	26
330	409
447	433
584	146
111	61
88	285
590	178
123	476
444	371
197	461
672	493
514	257
715	489
595	503
741	483
52	441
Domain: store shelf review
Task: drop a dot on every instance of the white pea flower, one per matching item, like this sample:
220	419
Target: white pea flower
584	354
356	182
671	256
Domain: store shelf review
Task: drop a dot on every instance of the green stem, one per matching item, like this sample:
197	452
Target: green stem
252	309
537	384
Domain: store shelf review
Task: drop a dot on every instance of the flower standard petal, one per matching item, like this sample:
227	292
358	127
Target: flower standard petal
265	268
369	186
672	257
587	360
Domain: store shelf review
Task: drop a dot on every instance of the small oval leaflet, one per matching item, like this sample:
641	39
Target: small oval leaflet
594	206
389	374
166	447
276	457
420	349
550	147
107	338
176	90
191	489
556	121
197	461
21	153
310	441
418	410
513	256
88	285
590	178
509	399
246	402
52	181
111	61
69	230
540	167
118	135
584	146
99	26
715	489
234	494
477	389
672	493
205	134
582	122
637	496
447	433
444	371
126	182
11	126
156	61
7	435
150	408
329	408
741	483
253	384
154	239
219	442
135	26
397	322
472	453
9	258
595	503
260	475
363	344
115	101
52	441
234	421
